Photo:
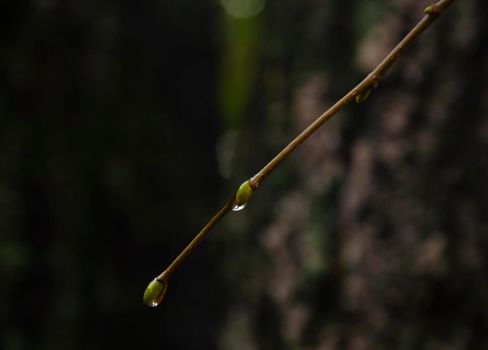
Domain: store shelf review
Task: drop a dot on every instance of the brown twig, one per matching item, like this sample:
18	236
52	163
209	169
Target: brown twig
359	92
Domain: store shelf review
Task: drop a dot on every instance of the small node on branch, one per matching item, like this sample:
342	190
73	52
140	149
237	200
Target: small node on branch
432	10
362	96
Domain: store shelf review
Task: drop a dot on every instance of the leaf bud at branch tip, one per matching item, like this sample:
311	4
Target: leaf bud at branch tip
154	293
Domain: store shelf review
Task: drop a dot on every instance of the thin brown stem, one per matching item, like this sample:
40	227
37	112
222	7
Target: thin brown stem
195	241
432	12
368	83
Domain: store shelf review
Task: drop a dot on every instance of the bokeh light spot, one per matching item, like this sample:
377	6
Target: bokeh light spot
243	8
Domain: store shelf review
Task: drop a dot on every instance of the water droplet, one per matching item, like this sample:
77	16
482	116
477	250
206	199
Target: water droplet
154	293
238	207
243	195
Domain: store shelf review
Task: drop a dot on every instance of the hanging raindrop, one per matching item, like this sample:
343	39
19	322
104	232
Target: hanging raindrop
238	207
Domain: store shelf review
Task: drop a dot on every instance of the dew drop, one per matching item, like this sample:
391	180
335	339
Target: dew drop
154	293
238	207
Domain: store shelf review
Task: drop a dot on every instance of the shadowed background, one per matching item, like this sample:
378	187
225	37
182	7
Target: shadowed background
125	125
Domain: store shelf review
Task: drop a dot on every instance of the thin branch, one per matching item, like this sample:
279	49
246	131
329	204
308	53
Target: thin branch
192	245
370	82
155	292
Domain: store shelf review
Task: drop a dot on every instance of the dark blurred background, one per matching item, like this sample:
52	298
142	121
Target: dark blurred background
124	125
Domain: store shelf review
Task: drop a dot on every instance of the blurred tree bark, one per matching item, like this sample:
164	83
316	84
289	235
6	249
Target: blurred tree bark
379	238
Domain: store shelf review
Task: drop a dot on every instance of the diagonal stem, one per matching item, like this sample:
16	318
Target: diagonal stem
432	12
195	241
368	83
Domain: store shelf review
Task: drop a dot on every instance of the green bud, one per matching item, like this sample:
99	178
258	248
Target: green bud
154	292
243	195
431	10
362	96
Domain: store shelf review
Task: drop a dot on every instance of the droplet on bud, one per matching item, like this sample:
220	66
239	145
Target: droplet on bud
243	195
155	292
238	207
362	96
